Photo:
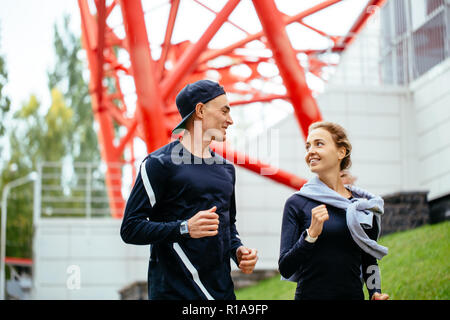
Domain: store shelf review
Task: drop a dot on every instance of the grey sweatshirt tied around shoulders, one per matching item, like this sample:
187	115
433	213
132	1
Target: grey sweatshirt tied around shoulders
359	211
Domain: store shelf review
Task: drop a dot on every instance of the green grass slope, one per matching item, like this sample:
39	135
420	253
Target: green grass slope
416	268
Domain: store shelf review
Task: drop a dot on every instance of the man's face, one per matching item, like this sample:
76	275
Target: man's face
216	119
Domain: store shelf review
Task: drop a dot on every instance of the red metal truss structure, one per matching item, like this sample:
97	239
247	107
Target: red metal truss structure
157	81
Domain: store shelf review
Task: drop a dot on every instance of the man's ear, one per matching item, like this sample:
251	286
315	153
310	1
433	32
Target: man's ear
199	110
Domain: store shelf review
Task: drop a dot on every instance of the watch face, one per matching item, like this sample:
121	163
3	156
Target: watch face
184	228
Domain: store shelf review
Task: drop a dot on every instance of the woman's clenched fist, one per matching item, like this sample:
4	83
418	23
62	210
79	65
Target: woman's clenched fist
319	215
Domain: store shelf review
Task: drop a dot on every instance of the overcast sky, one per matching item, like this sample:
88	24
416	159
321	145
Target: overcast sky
26	33
26	43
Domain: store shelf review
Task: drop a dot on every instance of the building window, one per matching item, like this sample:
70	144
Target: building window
433	5
429	45
414	38
400	17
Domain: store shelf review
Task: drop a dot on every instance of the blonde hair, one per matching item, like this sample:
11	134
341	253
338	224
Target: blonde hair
340	139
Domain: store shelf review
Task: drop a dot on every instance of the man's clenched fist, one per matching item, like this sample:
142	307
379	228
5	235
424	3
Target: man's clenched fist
247	258
204	224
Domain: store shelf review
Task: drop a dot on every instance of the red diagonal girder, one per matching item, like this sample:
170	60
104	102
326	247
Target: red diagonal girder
156	86
360	22
149	111
168	36
304	104
188	61
94	48
286	20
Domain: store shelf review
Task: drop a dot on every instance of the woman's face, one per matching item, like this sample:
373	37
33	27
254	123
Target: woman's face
322	155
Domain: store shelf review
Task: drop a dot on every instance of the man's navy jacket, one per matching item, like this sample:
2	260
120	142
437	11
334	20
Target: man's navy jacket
172	186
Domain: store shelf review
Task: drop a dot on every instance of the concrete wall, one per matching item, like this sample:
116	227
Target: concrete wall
259	212
62	247
431	96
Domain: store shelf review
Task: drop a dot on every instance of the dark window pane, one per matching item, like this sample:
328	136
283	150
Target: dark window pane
429	45
433	5
400	17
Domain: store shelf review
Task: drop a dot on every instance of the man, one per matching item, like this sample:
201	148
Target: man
183	205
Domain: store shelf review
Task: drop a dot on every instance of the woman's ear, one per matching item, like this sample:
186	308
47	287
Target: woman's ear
342	152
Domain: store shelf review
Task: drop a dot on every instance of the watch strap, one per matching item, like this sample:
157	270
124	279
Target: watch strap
184	230
309	238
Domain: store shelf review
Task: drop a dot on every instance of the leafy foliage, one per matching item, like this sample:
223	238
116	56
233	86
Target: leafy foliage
68	76
5	102
61	132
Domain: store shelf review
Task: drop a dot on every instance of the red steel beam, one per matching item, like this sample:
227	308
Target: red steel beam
127	139
168	36
258	167
230	22
305	107
188	61
259	99
106	133
210	55
101	23
18	261
152	120
323	34
360	22
110	8
150	109
342	42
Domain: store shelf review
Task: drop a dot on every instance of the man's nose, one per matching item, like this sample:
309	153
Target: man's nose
230	120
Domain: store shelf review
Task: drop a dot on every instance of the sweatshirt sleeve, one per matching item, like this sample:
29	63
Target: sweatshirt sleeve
294	249
138	225
235	239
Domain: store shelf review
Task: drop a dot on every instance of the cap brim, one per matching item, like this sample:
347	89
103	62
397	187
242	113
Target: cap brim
181	126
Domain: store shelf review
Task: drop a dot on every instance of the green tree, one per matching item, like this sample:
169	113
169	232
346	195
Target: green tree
5	102
33	139
18	224
36	138
63	131
68	76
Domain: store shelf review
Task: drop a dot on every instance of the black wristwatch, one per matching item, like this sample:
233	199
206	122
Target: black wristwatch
184	230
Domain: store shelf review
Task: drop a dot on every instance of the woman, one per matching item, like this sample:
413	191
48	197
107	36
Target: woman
329	230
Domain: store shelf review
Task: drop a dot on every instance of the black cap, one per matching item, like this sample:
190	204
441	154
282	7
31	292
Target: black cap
193	93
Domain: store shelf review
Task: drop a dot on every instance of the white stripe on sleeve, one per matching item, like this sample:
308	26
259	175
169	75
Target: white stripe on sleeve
147	185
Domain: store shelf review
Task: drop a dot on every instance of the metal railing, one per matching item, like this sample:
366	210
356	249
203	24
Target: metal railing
76	189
